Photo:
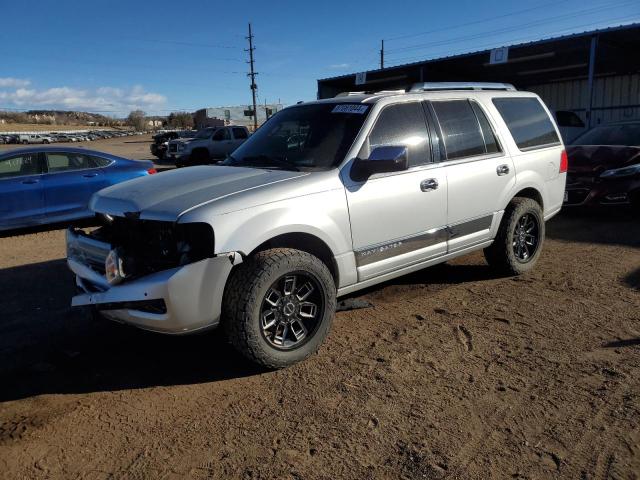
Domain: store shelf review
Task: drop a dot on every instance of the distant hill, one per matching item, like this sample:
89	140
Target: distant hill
58	117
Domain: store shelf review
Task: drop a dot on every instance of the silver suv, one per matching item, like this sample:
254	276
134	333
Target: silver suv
325	199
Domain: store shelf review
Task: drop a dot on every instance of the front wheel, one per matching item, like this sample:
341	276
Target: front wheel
278	306
518	244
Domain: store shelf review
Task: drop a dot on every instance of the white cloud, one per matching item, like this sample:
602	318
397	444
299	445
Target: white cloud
339	66
13	82
118	101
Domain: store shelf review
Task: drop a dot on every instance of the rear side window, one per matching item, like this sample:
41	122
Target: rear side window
461	130
60	162
240	133
402	124
527	121
99	162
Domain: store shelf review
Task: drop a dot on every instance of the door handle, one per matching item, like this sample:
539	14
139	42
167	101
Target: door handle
502	169
428	184
90	175
31	181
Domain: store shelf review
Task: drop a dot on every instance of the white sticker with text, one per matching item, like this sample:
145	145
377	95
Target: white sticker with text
350	108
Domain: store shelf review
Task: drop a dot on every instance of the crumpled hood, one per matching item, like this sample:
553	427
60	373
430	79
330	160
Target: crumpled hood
167	195
598	158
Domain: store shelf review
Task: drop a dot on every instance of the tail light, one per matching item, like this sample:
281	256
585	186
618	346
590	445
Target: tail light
151	171
564	162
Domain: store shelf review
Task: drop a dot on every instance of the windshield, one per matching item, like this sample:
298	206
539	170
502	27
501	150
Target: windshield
305	137
205	133
622	134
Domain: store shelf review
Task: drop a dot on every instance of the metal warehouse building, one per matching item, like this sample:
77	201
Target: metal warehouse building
594	74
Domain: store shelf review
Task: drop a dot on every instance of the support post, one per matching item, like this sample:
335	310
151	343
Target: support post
592	67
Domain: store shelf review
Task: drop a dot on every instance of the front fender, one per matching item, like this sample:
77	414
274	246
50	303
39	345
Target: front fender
323	215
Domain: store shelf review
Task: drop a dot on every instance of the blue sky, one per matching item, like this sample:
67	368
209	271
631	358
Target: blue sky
162	56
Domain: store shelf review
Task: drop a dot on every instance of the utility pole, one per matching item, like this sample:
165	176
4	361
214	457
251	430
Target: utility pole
252	74
382	55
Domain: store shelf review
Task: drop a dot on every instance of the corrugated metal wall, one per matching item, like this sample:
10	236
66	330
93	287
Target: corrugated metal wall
614	98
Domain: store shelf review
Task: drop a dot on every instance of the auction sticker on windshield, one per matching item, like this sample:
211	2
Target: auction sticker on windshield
350	108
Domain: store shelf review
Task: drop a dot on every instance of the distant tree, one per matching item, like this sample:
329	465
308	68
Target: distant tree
136	119
182	120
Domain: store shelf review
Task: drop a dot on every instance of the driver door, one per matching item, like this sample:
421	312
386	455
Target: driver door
21	190
399	218
221	143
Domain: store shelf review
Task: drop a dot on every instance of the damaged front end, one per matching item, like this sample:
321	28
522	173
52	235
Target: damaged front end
157	275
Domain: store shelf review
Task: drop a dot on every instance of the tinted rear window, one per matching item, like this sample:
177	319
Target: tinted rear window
527	121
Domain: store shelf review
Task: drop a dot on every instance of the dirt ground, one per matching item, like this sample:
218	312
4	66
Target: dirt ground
451	373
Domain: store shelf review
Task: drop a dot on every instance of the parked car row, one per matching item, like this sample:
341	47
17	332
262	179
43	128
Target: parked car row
63	137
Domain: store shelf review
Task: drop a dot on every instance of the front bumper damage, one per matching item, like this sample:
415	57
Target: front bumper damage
178	300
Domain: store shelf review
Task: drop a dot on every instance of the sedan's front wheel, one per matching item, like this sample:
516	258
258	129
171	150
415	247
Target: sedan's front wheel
278	306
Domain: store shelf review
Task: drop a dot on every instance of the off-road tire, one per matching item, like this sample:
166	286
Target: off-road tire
500	254
244	295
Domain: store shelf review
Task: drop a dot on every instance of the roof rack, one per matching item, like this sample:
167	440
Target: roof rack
369	92
349	94
434	86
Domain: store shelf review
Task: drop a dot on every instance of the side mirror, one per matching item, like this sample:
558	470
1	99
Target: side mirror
389	158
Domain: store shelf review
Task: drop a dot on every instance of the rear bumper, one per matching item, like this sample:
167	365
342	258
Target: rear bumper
179	300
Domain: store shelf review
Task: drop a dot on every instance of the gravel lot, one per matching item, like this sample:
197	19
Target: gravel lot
451	373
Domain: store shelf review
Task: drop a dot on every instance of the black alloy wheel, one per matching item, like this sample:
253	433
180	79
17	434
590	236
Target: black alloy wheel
291	310
526	238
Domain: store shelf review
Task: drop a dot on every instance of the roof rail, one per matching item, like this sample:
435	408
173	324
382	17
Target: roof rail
349	94
434	86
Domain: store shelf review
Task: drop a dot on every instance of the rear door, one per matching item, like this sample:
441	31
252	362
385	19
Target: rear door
21	191
70	181
479	173
398	219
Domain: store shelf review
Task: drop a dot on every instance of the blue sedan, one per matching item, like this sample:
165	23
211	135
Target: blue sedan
54	184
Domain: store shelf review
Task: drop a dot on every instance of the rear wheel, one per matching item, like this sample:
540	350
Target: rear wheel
278	306
518	244
199	156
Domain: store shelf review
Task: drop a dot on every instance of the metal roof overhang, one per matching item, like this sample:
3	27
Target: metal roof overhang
534	63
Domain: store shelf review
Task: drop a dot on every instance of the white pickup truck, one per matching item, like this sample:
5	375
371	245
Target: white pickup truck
209	144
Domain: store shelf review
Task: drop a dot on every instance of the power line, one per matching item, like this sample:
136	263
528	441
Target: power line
511	28
476	22
523	39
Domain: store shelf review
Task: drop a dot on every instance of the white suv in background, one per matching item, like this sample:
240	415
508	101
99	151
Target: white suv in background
325	199
209	144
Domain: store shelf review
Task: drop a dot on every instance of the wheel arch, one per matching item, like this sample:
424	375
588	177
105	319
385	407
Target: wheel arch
532	193
305	242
